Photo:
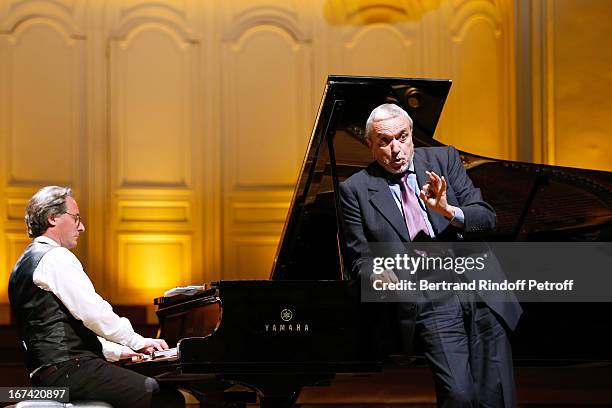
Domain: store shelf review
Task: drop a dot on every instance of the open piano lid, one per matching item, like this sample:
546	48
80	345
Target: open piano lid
310	247
533	202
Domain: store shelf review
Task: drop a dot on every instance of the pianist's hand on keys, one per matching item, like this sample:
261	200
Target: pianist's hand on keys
127	352
170	354
152	345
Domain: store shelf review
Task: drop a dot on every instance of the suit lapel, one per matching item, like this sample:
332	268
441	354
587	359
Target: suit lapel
382	200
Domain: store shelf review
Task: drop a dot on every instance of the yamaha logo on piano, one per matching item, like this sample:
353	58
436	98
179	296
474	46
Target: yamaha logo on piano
286	315
286	325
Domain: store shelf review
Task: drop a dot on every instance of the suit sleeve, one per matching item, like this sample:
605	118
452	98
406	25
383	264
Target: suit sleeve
358	250
479	216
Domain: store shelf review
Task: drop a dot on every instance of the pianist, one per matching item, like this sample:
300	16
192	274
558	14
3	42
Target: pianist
463	341
60	315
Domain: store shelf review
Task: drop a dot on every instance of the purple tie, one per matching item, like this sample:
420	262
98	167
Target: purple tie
413	214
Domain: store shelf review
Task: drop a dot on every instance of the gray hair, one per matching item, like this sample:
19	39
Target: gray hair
384	112
48	201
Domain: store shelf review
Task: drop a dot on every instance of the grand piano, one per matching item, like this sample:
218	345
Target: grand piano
307	324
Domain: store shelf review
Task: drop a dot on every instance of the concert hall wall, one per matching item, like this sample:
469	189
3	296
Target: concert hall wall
182	125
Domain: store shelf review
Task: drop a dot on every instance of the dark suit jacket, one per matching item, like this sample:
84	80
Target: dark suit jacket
371	214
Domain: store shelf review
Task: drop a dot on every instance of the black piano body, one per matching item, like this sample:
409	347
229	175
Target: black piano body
272	336
307	323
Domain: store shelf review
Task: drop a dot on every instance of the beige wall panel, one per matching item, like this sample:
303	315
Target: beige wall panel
45	99
191	117
380	50
253	220
267	92
149	264
154	211
14	245
475	116
4	8
155	239
250	213
582	78
252	257
15	209
151	97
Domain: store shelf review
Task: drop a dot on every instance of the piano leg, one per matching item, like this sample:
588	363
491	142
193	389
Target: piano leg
279	401
211	399
274	390
209	394
280	391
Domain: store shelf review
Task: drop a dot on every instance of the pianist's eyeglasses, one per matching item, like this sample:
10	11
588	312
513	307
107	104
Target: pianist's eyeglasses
76	217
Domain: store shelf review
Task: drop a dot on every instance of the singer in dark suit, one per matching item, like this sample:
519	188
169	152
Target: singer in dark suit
408	194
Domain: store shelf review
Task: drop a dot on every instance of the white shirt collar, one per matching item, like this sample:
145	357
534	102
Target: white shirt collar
46	240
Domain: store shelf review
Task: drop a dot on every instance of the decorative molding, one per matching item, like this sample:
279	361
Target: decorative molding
542	75
252	31
177	30
256	209
549	72
358	34
68	15
154	7
65	4
161	13
152	193
15	208
466	14
361	51
365	12
524	82
149	25
472	20
265	16
259	213
154	211
13	246
50	21
249	256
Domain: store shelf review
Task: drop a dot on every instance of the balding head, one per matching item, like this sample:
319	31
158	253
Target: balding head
389	137
384	112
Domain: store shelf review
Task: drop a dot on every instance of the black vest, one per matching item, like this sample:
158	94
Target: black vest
50	333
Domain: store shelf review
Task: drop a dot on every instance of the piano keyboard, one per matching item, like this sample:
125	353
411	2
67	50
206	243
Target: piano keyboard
163	355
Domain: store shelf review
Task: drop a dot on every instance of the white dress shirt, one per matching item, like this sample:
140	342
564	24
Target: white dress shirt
60	272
